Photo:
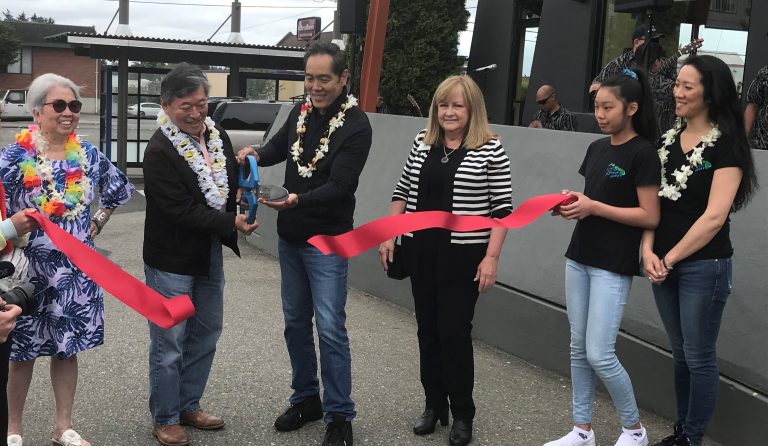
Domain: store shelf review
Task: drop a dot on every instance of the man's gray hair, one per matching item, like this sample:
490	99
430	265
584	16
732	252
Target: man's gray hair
182	81
39	88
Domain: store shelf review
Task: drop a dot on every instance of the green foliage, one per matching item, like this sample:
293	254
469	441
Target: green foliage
8	17
420	50
9	46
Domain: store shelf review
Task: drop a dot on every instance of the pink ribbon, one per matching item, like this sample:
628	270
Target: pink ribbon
371	234
129	290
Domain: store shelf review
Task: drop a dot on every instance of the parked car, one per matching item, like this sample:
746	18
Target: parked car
144	109
247	122
15	104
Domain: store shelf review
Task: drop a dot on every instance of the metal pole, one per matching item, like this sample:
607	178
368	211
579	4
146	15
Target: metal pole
373	54
122	112
123	28
123	12
336	18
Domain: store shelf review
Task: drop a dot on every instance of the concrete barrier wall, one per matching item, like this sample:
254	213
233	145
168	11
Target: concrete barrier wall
524	314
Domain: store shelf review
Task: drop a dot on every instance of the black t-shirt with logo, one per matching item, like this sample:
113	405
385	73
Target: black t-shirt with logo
612	175
678	216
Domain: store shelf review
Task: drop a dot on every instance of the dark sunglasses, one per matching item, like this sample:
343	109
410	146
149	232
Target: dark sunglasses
59	105
544	101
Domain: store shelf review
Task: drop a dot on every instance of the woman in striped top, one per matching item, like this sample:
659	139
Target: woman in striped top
456	165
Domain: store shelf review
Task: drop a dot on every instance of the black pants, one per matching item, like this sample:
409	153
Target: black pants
444	312
5	353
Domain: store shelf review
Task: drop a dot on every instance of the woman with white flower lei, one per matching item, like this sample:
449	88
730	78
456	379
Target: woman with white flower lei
707	171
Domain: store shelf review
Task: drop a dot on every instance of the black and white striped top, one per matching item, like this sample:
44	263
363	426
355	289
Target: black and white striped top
482	185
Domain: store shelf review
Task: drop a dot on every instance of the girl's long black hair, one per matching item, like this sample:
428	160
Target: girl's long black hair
725	111
632	86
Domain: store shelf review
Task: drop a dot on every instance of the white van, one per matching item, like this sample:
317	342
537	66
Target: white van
15	104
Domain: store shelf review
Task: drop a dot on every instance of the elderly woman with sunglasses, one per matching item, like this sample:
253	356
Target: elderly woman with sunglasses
51	169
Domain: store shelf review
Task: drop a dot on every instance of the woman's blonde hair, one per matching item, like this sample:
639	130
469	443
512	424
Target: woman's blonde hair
478	132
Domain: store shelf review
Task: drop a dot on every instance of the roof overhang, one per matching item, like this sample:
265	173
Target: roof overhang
146	49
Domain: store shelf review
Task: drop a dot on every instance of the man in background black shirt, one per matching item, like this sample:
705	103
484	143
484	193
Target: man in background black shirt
551	114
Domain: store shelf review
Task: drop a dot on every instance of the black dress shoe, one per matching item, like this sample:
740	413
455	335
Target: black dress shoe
299	414
425	424
461	433
338	432
677	438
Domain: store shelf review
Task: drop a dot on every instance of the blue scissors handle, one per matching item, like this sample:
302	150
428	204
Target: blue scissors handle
250	185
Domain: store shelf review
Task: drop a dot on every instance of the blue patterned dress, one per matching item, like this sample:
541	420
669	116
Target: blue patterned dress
70	312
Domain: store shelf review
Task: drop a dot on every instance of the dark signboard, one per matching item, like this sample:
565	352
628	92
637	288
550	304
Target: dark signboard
307	27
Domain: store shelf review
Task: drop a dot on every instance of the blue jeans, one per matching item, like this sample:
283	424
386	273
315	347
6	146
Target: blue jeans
691	302
595	299
316	284
180	358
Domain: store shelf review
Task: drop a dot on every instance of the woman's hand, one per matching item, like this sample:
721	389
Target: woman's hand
94	230
486	273
556	210
23	222
244	152
653	269
579	209
386	252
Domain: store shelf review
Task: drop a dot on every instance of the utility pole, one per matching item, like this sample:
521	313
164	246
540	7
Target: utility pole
123	29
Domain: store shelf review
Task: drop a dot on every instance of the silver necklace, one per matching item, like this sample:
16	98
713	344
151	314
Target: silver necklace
444	159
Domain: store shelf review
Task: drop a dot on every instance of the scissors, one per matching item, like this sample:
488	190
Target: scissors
250	185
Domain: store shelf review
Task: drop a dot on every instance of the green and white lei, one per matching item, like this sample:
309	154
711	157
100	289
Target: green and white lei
695	159
212	180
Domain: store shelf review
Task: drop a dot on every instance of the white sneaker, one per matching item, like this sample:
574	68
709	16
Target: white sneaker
14	440
632	438
574	438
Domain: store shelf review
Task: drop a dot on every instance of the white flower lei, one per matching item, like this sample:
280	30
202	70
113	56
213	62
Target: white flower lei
695	159
214	185
45	170
335	123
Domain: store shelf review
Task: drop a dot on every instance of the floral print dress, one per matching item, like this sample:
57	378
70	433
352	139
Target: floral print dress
70	311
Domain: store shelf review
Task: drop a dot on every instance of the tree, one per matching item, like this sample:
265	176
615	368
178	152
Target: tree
10	45
8	17
420	50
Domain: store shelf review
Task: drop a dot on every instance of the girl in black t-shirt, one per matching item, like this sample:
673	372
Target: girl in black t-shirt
620	198
707	171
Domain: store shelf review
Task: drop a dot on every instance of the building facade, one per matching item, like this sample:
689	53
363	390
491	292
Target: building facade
39	55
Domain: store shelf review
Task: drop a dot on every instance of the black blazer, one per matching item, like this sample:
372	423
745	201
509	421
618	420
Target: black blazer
179	223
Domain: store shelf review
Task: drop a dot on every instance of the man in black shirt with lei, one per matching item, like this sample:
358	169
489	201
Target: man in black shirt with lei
325	143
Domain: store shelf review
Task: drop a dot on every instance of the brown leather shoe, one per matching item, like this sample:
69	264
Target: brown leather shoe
201	420
170	435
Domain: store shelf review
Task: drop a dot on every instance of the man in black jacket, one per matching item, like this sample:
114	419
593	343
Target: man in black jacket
190	182
325	143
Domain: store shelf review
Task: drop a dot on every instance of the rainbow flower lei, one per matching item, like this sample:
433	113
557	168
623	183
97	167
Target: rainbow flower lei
37	172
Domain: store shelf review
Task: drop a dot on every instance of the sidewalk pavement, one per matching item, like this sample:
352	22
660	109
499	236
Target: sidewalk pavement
517	403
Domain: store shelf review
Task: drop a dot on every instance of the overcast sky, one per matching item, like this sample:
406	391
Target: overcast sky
264	22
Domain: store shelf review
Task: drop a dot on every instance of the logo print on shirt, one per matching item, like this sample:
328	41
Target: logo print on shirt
706	165
614	171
